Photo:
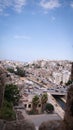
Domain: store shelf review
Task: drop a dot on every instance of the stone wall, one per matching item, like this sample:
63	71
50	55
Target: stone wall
67	123
72	72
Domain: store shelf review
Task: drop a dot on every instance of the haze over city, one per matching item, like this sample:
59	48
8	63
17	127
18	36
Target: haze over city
31	30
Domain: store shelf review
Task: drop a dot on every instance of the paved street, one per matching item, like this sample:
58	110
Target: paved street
57	107
38	119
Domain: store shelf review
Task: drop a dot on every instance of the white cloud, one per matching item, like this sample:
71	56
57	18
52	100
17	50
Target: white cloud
22	37
50	4
16	5
19	4
71	4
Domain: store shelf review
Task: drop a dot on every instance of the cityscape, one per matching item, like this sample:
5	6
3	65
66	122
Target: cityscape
36	64
36	80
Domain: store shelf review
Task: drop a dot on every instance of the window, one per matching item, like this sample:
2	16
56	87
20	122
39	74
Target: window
25	105
29	106
39	105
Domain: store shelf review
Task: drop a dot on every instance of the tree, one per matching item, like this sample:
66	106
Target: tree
49	107
61	82
20	72
12	93
3	79
7	112
69	82
44	99
6	108
11	70
35	102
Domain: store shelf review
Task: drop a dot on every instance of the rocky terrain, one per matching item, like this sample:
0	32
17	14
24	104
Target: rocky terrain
16	125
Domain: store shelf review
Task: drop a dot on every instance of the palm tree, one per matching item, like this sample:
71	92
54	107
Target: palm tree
35	102
44	99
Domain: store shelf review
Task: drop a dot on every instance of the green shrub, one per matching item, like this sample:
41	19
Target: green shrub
7	104
11	97
69	82
11	93
20	71
7	112
31	112
11	70
49	108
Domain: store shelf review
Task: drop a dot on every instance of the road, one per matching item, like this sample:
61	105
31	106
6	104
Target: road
38	119
57	107
51	99
53	91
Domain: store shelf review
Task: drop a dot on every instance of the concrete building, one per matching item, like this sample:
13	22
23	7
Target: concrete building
26	101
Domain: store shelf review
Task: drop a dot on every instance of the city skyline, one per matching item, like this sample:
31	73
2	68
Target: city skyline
31	30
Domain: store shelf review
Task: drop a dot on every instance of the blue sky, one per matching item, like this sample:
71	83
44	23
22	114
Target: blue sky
36	29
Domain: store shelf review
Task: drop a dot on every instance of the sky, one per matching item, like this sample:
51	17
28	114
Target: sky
36	29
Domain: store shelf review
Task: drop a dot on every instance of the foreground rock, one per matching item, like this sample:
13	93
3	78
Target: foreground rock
67	123
72	72
50	125
19	124
16	125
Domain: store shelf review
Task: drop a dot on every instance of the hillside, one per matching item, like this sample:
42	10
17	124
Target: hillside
46	71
